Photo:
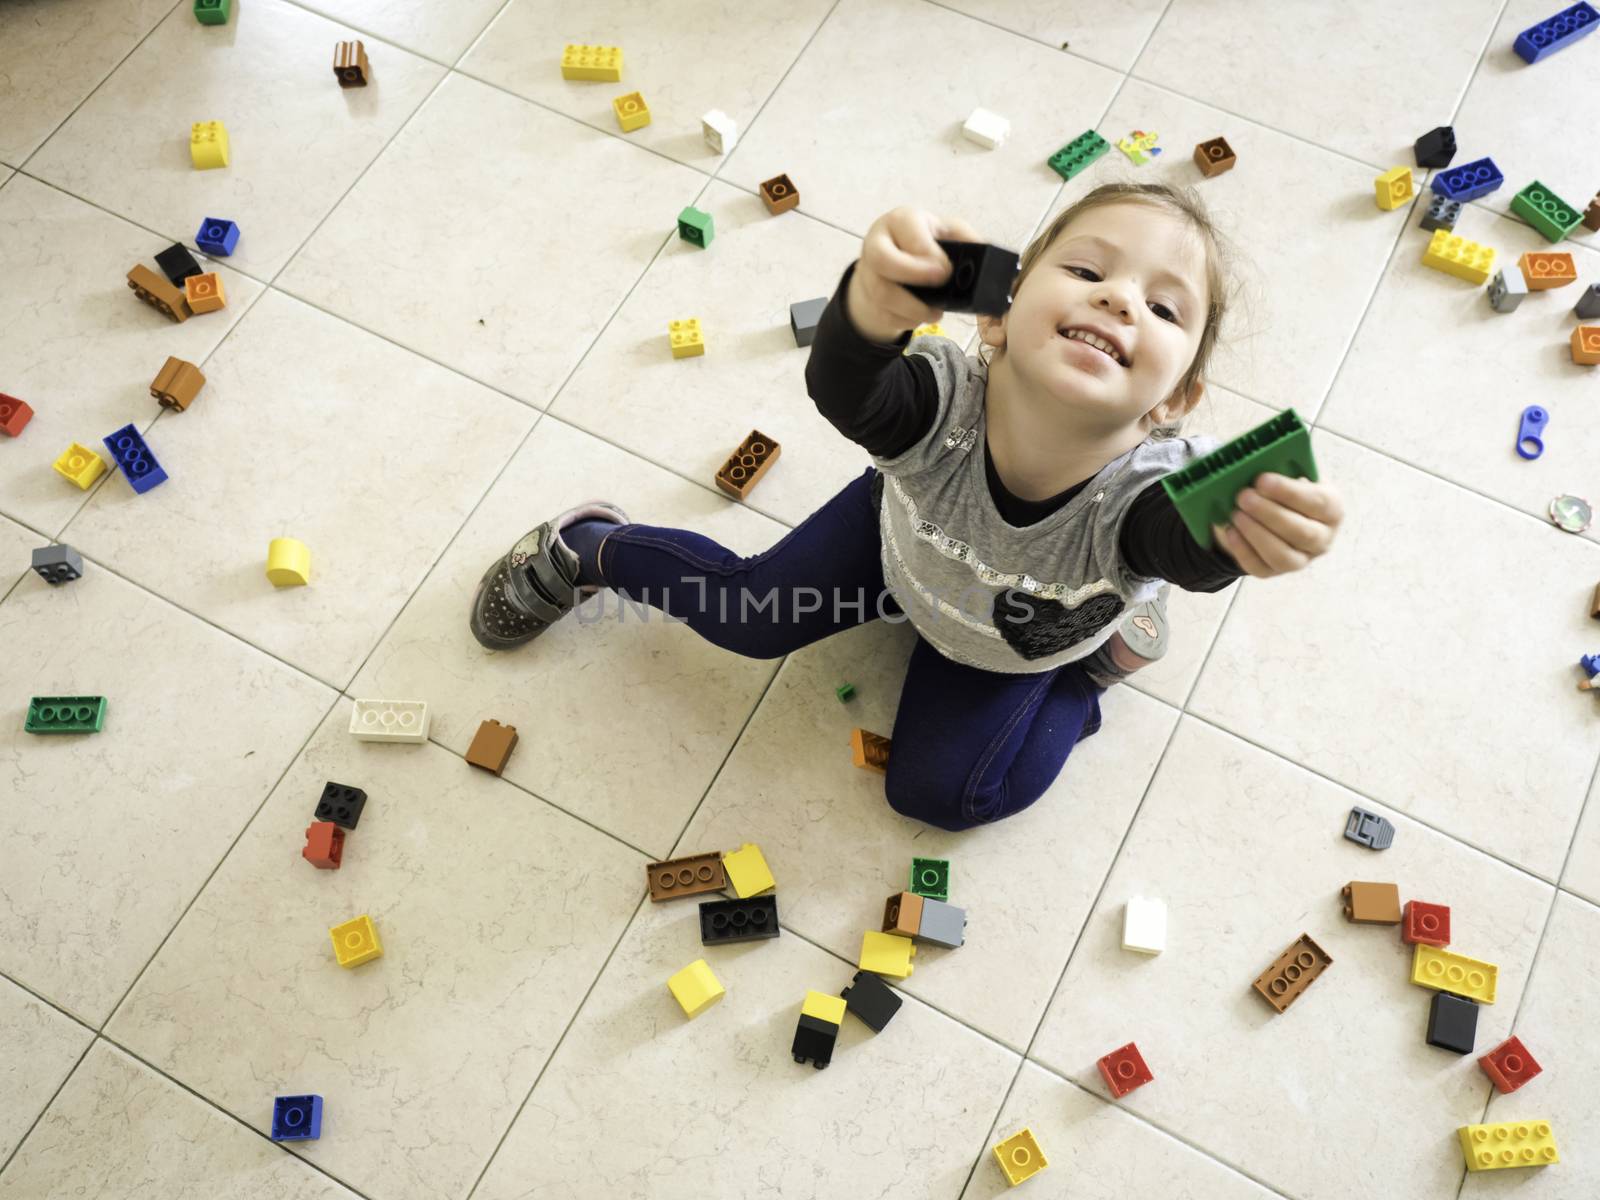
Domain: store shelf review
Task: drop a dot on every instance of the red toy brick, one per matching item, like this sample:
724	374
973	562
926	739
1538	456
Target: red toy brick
1426	923
14	414
324	845
1510	1065
1123	1070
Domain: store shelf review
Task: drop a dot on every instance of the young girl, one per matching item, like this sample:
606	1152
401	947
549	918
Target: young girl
1014	512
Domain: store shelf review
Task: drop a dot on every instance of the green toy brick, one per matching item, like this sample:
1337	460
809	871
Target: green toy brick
212	12
1078	154
1204	491
1545	211
695	227
845	691
66	714
930	877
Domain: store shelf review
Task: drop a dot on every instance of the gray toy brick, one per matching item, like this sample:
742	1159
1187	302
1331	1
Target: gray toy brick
1442	214
57	564
942	924
1588	305
803	318
1507	289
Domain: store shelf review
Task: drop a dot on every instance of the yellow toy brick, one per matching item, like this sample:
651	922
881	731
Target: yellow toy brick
603	63
356	942
1456	256
1508	1144
80	464
886	953
1394	188
686	338
288	562
824	1007
695	988
1020	1157
1447	971
632	112
204	292
208	145
747	871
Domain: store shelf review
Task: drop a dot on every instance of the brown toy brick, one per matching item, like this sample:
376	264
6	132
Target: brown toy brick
869	750
177	384
747	464
158	293
1280	984
1591	218
350	64
686	876
324	846
1214	157
204	293
1543	269
779	195
491	746
903	914
1594	605
1371	903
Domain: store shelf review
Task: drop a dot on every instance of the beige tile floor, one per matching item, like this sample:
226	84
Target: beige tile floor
446	321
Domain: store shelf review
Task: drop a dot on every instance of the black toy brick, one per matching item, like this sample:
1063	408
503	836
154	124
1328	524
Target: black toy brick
57	564
341	804
813	1039
1369	829
177	264
751	920
871	999
980	280
1452	1023
1436	148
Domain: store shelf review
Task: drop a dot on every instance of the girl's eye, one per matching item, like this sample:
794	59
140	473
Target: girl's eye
1163	312
1088	273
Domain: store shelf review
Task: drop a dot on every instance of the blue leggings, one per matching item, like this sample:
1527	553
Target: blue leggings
970	746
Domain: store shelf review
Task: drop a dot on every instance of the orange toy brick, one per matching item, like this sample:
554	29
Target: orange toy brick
1586	345
902	914
158	293
324	846
779	195
350	64
1123	1070
1292	972
177	384
1547	269
204	292
747	464
869	750
1371	903
491	746
1214	157
686	876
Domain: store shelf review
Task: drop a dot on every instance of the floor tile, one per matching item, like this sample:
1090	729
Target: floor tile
715	1106
17	545
511	288
67	263
495	913
442	32
119	1128
1247	851
1349	78
839	851
297	140
1324	667
41	1048
849	169
1583	867
1111	33
116	831
54	55
622	721
307	428
705	55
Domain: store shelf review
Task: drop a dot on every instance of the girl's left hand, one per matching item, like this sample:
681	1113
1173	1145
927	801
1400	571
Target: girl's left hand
1280	524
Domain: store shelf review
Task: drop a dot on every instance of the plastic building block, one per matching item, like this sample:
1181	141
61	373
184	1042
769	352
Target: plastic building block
204	292
80	464
600	63
803	319
212	12
1456	256
1530	431
130	453
823	1007
492	745
350	64
1020	1157
1594	605
845	692
324	848
1591	215
1139	146
902	914
685	338
1214	157
1425	924
1447	971
720	130
747	871
752	920
942	924
870	750
930	878
14	414
1509	1065
1077	154
1452	1023
871	999
356	942
1587	308
1547	212
1544	269
208	145
65	714
814	1039
1371	903
779	194
1394	188
1507	289
1291	973
1468	181
341	804
177	384
1436	148
1123	1070
988	129
57	564
1144	925
980	280
1509	1144
1442	214
688	876
1586	345
217	237
696	227
632	112
158	293
390	721
1556	33
1204	491
886	954
288	562
695	988
747	464
294	1118
177	264
1591	662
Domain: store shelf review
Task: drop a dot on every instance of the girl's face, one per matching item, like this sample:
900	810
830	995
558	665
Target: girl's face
1110	316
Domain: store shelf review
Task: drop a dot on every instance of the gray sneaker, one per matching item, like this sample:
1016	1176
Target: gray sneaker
1144	632
536	583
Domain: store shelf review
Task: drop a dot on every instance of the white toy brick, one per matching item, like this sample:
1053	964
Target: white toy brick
390	721
720	130
1144	925
987	128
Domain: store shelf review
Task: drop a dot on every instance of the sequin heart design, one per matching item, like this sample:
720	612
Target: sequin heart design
1050	627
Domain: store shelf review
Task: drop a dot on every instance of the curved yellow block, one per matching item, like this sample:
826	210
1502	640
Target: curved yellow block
80	464
208	145
695	988
288	563
356	942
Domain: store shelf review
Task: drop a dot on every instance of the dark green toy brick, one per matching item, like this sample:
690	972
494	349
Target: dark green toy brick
1204	491
66	714
1545	211
1078	154
212	12
930	877
695	227
845	691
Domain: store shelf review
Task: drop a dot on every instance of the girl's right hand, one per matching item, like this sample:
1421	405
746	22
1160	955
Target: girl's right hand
901	248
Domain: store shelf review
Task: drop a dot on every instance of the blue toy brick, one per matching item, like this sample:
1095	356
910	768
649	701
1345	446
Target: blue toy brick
1468	181
1590	664
133	456
296	1118
1369	829
217	237
1560	31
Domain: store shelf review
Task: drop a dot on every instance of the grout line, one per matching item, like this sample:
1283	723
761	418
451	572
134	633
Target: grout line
45	1108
